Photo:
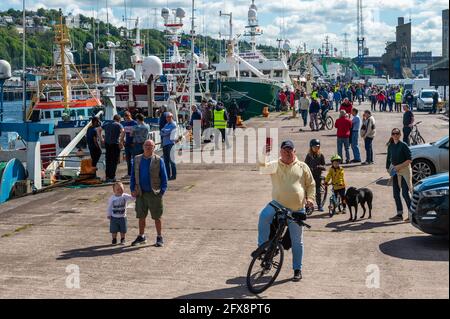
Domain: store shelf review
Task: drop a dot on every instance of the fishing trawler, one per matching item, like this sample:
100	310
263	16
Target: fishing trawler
250	78
172	87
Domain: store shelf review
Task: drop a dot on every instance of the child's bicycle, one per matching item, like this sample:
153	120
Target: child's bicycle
335	203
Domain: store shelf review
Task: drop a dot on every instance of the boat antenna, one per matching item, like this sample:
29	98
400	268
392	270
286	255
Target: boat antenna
193	64
24	88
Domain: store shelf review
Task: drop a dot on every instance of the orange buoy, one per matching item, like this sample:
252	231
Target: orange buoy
265	111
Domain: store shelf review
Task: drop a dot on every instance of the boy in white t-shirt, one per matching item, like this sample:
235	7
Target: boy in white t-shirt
117	212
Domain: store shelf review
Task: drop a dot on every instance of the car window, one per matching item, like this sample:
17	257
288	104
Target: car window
445	145
427	95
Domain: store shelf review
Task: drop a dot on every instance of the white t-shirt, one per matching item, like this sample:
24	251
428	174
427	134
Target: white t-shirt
117	205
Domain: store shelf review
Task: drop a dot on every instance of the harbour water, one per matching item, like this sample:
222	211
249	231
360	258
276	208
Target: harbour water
12	112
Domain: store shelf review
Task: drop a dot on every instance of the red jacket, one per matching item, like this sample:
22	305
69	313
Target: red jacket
381	97
344	126
282	97
347	107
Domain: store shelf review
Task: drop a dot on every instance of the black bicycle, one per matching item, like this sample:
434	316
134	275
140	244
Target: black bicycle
326	122
415	137
268	259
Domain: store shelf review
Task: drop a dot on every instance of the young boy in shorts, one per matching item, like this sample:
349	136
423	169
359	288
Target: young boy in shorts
117	213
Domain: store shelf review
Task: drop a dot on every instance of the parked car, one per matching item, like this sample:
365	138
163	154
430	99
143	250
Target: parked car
429	159
429	207
424	100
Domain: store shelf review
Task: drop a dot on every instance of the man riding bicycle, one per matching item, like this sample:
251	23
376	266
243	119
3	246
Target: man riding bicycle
293	187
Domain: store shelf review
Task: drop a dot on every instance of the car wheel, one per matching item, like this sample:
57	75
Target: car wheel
422	168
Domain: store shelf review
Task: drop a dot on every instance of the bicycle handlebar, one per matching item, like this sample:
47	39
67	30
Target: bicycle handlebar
289	215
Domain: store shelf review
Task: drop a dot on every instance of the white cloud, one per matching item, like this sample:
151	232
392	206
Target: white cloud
305	20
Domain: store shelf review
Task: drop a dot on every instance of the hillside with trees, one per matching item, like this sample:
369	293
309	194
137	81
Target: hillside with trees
39	40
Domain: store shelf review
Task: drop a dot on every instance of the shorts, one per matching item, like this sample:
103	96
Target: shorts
149	201
118	225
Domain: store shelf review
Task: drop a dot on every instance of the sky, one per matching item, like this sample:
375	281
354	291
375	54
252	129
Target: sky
299	21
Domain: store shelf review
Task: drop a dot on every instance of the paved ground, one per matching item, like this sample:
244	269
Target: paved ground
210	229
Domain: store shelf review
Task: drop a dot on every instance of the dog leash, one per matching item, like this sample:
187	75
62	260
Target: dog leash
379	179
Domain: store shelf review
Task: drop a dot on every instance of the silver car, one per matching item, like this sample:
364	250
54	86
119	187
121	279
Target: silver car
425	100
429	159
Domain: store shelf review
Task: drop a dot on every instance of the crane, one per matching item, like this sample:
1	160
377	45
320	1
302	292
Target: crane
362	50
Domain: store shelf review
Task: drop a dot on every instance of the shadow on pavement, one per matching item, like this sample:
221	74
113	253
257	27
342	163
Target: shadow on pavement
239	291
426	248
98	251
318	216
346	225
383	182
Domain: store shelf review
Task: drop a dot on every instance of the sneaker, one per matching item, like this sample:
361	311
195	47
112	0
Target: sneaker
365	163
321	209
122	241
297	275
159	241
139	240
114	241
347	161
396	218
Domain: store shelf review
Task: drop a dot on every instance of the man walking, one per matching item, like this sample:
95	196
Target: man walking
343	125
314	109
368	132
128	125
304	106
435	102
114	139
356	126
220	121
398	101
148	184
293	187
140	135
408	122
168	134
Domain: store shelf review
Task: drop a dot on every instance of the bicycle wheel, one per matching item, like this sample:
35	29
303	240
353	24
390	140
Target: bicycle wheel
329	123
420	139
332	207
265	267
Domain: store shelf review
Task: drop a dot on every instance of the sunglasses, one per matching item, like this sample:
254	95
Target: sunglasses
395	133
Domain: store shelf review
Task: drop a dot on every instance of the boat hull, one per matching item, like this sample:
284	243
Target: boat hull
251	97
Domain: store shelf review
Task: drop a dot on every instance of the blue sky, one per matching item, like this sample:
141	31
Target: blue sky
300	21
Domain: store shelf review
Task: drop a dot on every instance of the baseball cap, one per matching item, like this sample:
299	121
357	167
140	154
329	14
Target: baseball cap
287	143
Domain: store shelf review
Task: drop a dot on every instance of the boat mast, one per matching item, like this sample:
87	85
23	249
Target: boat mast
24	88
193	63
62	39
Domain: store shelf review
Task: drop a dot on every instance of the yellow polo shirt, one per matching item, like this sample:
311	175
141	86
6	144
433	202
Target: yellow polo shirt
291	184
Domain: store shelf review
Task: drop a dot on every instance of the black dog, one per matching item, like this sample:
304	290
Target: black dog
361	196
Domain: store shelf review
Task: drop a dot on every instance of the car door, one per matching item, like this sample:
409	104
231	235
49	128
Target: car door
443	157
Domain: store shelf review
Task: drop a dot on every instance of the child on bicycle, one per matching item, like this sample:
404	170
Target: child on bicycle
336	175
316	162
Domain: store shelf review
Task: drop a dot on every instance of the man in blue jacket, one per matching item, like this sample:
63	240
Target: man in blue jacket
168	134
148	183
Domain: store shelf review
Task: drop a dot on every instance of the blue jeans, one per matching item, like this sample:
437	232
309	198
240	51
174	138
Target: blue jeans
355	146
304	114
296	232
369	149
346	143
338	104
170	164
405	194
129	156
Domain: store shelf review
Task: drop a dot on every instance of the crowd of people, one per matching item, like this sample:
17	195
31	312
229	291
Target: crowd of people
149	174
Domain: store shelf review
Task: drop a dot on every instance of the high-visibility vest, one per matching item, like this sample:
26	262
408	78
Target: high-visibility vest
315	94
398	97
219	119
